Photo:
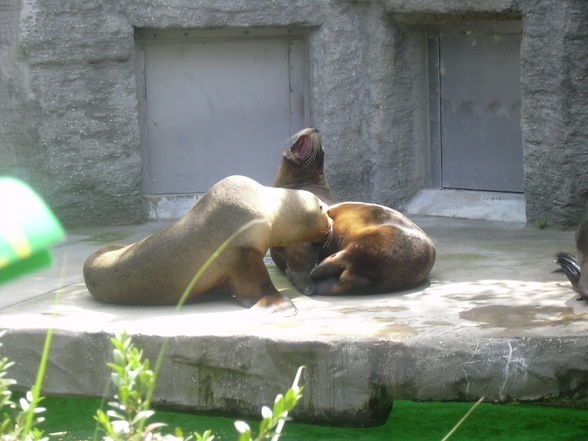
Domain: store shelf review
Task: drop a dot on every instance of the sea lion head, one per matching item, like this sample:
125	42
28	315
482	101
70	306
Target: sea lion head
302	217
303	161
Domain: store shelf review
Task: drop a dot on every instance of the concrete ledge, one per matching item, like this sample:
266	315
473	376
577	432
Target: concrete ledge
466	204
494	321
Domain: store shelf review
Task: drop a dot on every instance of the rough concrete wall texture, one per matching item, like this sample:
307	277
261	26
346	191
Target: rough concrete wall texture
554	80
74	137
69	122
17	154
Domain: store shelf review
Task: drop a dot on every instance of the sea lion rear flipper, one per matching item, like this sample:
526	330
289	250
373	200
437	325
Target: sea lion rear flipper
570	266
326	275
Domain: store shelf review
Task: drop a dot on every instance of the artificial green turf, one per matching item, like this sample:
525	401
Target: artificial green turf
409	421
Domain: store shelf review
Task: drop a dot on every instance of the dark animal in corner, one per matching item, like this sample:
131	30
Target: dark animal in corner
576	269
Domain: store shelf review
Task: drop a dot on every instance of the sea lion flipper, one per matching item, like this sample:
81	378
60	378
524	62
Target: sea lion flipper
570	266
253	287
276	304
326	275
329	267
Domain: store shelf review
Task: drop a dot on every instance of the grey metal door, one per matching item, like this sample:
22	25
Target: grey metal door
478	88
214	105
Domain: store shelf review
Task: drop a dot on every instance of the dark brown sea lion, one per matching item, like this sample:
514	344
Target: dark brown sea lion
576	269
401	253
372	249
302	168
157	270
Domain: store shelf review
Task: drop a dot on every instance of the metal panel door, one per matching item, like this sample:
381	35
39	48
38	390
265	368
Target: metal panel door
480	100
214	107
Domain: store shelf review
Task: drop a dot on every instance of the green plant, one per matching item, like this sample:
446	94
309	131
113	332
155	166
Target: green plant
133	379
273	419
126	420
462	420
18	420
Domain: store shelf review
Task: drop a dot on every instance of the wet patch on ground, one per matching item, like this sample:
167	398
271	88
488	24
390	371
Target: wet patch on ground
500	316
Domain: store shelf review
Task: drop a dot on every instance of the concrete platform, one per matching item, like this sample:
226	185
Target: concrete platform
495	320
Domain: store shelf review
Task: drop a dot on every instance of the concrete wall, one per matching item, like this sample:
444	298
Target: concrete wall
69	122
554	80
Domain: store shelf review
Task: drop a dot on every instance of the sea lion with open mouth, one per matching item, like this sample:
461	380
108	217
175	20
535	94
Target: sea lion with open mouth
373	248
302	168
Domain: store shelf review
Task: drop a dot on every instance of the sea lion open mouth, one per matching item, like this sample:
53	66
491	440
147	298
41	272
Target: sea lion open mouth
305	151
302	148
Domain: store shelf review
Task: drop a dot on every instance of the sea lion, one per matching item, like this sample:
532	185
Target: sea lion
373	249
302	168
401	255
157	269
576	269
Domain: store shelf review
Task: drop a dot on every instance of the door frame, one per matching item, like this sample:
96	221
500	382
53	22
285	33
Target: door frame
433	56
298	78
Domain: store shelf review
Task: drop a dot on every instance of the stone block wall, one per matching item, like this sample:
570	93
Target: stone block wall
554	81
69	112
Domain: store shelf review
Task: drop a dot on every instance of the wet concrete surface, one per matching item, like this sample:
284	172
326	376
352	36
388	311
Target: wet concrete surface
493	320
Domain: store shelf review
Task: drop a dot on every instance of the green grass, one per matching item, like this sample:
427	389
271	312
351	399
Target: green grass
409	421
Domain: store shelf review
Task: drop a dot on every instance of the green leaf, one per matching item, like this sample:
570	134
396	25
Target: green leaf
143	415
206	436
242	427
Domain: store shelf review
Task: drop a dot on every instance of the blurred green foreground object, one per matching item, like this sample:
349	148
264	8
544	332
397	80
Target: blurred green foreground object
28	228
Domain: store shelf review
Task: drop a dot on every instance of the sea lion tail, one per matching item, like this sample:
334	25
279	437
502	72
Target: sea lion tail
570	265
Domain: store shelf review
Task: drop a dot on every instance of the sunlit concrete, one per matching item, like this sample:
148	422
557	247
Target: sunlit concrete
494	320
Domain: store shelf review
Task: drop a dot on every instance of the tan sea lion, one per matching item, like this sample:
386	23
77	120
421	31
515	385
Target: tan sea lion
302	168
372	249
401	254
157	269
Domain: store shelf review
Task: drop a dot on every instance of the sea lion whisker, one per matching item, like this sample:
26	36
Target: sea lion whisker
329	237
314	152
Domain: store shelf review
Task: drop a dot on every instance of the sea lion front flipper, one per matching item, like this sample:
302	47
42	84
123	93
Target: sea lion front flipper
251	284
276	304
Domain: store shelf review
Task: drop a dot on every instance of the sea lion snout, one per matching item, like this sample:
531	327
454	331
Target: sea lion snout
305	147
